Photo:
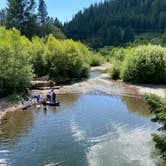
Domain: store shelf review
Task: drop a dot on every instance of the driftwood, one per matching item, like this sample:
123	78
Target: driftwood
48	88
41	84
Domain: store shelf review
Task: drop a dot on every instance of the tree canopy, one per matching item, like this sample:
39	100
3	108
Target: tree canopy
116	22
21	14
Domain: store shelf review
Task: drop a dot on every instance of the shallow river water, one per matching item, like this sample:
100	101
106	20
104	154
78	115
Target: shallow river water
86	130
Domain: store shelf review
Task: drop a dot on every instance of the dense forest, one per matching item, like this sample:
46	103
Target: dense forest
115	22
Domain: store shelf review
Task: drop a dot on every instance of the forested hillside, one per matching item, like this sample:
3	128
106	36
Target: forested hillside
115	22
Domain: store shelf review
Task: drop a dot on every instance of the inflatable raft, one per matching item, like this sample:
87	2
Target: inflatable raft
51	103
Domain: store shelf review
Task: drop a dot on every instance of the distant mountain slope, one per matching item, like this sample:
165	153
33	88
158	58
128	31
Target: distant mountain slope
115	22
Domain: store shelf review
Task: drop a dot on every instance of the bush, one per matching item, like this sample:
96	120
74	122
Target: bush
37	56
115	70
66	59
15	69
96	59
14	98
147	64
158	107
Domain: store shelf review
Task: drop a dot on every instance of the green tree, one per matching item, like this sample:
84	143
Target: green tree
3	17
42	12
102	24
15	69
20	15
49	28
128	35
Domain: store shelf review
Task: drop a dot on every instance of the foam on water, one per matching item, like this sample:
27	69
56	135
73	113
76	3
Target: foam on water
131	147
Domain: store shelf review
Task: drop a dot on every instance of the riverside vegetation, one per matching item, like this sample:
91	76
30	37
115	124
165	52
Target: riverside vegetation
158	107
21	60
140	64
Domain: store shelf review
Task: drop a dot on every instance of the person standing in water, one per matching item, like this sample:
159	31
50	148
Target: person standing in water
48	97
44	104
53	96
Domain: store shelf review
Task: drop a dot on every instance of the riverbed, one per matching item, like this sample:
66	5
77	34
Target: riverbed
93	129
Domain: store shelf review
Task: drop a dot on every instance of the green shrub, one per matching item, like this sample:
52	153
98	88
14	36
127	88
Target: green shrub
66	59
146	64
158	108
14	98
15	69
115	70
37	56
96	59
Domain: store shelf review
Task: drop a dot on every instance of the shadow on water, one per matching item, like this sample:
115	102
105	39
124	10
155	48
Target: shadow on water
86	130
137	105
15	124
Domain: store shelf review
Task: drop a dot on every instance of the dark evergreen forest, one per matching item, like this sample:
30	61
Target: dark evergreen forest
115	22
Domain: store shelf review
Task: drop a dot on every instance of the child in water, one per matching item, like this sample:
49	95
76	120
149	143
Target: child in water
44	104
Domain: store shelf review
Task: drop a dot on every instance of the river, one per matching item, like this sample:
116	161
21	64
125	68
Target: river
92	129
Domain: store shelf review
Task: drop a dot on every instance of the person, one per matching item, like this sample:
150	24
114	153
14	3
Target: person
37	97
44	104
48	96
53	96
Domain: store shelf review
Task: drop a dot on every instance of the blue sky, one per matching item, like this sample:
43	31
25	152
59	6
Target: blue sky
63	9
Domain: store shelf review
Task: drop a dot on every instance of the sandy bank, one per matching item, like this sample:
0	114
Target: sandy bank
101	83
104	84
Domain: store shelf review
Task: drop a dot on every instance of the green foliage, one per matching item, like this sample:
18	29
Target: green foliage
15	70
66	59
37	59
96	59
160	144
115	70
147	64
42	11
62	60
20	15
14	98
153	38
49	28
3	17
117	56
158	107
117	22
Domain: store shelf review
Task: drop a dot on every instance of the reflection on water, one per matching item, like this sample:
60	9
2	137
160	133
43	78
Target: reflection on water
137	106
15	124
86	130
67	100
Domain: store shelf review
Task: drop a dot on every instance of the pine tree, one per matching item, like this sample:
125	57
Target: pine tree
42	12
3	17
20	15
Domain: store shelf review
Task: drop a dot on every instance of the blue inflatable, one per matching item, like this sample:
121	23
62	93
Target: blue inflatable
52	103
